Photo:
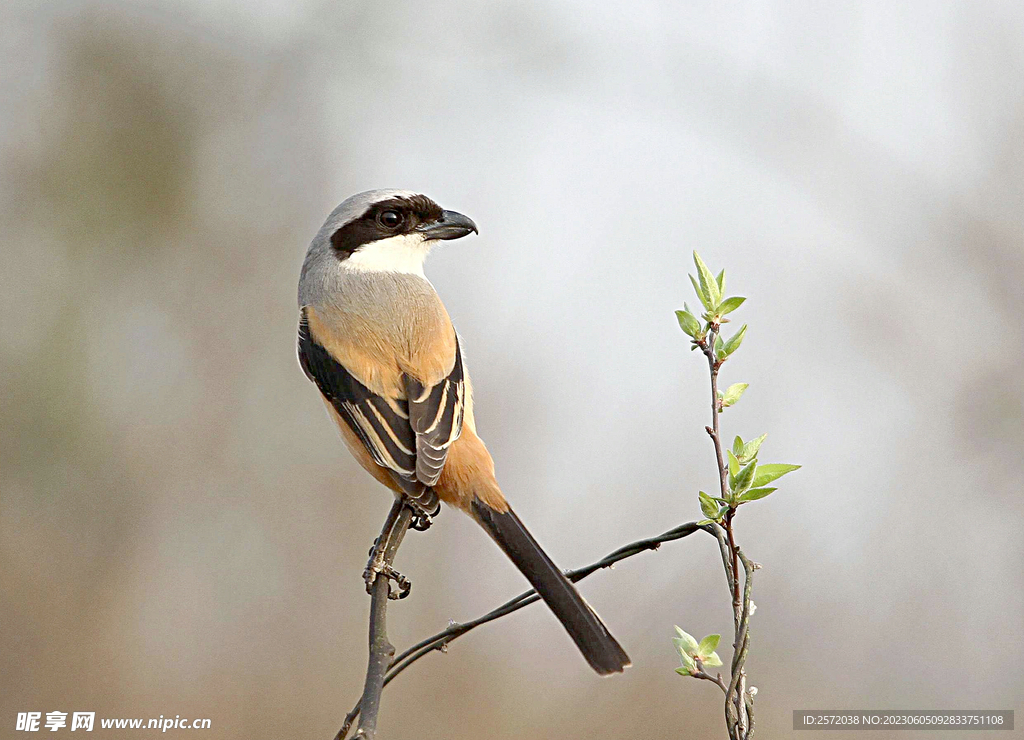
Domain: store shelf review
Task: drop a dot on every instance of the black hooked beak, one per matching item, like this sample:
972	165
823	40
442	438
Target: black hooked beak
451	225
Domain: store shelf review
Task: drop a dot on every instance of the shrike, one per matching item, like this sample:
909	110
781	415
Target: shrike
377	341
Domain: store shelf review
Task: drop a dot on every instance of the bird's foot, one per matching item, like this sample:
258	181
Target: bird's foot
376	567
420	521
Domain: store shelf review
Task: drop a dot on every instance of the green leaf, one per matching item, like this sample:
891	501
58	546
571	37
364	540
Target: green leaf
755	493
733	393
771	471
750	448
690	311
744	478
712	660
685	643
734	464
719	347
688	668
737	446
721	281
730	304
708	505
688	323
707	646
734	342
700	293
707	283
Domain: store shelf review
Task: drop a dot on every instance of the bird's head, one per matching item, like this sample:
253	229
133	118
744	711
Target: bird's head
389	231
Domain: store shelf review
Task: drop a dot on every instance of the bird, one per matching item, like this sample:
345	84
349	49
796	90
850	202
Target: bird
378	343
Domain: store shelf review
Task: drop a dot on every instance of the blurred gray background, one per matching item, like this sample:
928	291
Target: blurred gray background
181	530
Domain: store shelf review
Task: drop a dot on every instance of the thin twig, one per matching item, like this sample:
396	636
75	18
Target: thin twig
747	698
737	608
708	347
723	546
717	679
443	638
381	650
714	364
739	715
349	719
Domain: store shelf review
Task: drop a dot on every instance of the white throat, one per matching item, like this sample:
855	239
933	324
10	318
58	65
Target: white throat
404	253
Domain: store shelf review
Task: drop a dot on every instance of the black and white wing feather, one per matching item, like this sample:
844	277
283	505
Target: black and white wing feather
435	413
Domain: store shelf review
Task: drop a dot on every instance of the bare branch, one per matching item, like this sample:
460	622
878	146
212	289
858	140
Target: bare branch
716	679
441	640
381	650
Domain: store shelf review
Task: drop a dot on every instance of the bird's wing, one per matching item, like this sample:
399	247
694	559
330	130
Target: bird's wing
435	413
409	438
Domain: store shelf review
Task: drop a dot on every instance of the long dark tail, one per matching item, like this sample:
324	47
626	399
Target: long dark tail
601	650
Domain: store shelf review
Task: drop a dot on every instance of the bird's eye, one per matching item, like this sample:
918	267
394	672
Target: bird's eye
390	219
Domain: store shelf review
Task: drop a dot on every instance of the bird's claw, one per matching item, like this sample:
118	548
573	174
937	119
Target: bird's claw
403	583
376	567
420	521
